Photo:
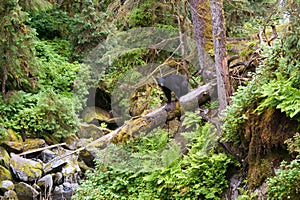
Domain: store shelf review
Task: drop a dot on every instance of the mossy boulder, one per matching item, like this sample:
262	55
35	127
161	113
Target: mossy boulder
4	174
13	146
13	136
30	144
91	113
4	157
90	131
26	192
25	169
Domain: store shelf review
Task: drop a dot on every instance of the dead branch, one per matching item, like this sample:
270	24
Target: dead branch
41	149
232	58
273	36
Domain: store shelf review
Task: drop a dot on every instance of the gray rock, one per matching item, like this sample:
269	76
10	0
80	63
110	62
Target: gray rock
58	193
46	182
25	169
47	155
6	185
54	165
26	192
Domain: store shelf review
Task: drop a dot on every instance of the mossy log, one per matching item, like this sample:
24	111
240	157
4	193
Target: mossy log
137	125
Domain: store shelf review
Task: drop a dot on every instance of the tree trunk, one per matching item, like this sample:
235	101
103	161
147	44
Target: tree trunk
4	82
223	81
201	18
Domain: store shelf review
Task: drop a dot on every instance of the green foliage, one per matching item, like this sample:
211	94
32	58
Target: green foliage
61	76
281	94
285	185
246	17
126	61
16	46
90	28
276	84
60	93
37	114
142	16
152	13
243	99
51	24
198	175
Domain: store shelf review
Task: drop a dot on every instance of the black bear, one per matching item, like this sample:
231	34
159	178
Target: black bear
176	83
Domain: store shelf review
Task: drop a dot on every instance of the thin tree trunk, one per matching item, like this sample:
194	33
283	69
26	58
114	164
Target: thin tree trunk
223	81
4	82
182	46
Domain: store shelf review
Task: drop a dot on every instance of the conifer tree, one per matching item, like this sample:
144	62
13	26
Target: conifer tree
16	47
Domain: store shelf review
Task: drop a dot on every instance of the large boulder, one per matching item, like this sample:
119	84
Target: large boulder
71	170
54	165
26	192
25	169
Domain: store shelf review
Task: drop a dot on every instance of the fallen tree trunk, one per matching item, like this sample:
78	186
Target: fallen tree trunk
137	125
140	124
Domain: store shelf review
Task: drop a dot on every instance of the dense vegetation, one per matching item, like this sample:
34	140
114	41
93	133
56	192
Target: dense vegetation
51	58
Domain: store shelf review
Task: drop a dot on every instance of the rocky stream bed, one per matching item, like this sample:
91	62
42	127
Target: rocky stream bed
43	169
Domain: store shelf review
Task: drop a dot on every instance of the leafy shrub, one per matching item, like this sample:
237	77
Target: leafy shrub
275	85
37	114
51	24
60	93
56	73
285	185
199	175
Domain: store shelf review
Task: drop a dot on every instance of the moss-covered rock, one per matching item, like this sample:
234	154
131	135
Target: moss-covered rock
13	136
13	146
4	157
33	144
90	131
26	192
91	113
25	169
5	174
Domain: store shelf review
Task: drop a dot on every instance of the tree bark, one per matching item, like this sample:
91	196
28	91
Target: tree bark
4	78
201	18
219	37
